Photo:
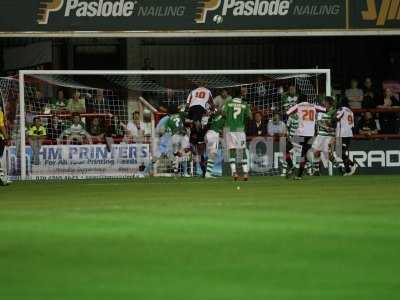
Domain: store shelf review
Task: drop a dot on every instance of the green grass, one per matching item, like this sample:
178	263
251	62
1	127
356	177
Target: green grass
323	238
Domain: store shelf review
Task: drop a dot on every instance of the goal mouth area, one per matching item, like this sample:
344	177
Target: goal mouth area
142	90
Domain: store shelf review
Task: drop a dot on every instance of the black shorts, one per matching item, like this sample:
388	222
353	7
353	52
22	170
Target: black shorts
302	140
196	113
346	142
2	146
197	136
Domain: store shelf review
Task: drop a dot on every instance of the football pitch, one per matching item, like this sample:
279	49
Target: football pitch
190	239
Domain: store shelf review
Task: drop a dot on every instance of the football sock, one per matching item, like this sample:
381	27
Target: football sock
301	169
176	164
245	166
185	166
210	166
203	165
289	161
232	160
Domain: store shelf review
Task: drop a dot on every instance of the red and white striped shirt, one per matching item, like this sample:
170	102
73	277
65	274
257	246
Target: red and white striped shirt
200	96
345	123
306	113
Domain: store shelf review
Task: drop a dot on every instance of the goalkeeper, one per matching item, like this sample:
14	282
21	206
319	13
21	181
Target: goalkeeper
3	137
237	112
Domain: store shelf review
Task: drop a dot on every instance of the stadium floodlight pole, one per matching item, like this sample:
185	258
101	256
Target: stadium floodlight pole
22	123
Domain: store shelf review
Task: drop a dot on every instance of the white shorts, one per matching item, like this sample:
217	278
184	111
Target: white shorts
212	141
235	140
321	143
180	143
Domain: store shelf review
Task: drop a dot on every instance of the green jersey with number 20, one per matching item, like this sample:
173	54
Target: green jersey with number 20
236	113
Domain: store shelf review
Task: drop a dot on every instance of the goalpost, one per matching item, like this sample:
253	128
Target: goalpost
122	89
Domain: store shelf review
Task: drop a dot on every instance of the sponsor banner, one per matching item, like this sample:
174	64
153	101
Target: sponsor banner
170	15
80	161
375	14
193	15
373	157
377	157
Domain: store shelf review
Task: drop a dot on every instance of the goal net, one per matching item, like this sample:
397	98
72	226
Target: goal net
106	124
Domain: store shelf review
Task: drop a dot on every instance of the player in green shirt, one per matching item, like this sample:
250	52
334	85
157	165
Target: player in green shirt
236	112
216	127
326	125
180	142
290	98
292	125
175	124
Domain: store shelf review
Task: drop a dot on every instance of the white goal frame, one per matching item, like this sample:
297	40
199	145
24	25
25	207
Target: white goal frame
23	73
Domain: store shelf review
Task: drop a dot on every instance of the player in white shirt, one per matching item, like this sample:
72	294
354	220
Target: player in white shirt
198	104
344	135
306	113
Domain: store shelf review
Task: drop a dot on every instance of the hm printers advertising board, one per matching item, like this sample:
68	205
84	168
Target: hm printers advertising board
196	15
80	161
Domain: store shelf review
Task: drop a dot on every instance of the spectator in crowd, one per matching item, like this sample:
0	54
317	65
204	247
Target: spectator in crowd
243	93
388	120
389	100
220	100
134	128
98	103
276	127
41	104
257	126
370	95
261	89
55	128
96	130
76	132
367	125
29	115
161	101
115	130
354	94
59	103
36	135
76	104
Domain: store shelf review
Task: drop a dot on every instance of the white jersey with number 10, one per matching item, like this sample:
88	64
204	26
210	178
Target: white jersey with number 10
200	96
306	113
345	123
